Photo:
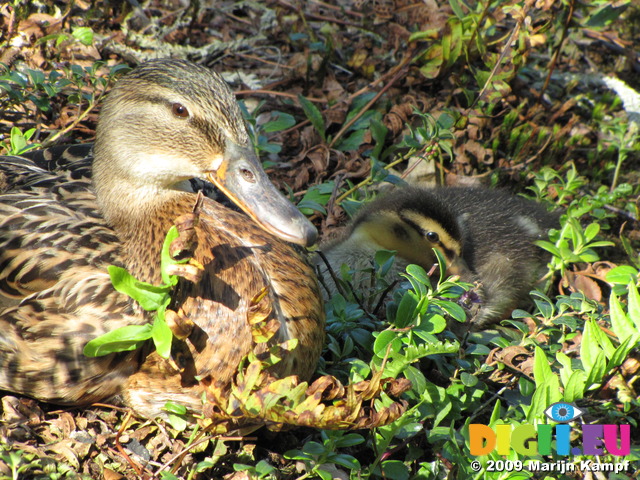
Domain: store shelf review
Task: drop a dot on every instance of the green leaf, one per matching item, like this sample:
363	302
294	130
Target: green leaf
346	461
314	116
168	476
431	324
567	368
384	260
597	371
468	379
622	275
378	133
323	474
279	121
621	353
575	387
395	469
417	379
122	339
309	207
605	15
547	385
178	422
406	310
454	310
84	35
148	296
591	231
621	324
352	142
166	259
589	348
383	339
541	368
349	440
634	304
603	340
314	448
549	247
419	273
162	335
174	407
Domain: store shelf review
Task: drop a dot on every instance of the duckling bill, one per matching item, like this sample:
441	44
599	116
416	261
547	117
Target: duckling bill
486	236
64	220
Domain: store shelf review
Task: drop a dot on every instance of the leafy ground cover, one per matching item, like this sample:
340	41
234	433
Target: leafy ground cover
344	98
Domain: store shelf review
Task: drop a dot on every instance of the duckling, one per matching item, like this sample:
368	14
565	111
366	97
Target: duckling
486	236
64	218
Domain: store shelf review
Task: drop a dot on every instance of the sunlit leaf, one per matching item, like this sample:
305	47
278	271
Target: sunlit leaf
313	115
148	296
122	339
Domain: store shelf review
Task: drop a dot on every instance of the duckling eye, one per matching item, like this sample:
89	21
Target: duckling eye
179	110
433	237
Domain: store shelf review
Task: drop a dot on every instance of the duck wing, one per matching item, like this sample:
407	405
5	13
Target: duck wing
55	291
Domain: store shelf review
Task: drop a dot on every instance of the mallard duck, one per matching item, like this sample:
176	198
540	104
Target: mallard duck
486	236
64	220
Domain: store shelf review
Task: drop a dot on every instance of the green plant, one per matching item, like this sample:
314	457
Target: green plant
359	119
18	462
84	35
549	185
23	464
19	142
151	298
35	93
626	140
572	244
259	130
261	470
319	457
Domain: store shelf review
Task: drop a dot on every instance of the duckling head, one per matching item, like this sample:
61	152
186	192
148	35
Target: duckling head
168	121
412	225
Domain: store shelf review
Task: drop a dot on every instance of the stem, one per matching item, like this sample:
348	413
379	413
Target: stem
556	53
369	179
52	139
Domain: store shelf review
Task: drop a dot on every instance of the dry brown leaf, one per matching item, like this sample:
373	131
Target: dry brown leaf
109	474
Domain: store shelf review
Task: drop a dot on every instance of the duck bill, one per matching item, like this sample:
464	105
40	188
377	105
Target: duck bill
459	267
241	177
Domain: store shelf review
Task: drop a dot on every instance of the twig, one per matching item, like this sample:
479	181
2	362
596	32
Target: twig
321	18
408	57
383	295
120	449
276	94
503	54
362	111
52	139
485	404
556	53
337	284
389	166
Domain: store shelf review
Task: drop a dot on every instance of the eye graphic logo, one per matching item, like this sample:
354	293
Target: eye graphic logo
563	412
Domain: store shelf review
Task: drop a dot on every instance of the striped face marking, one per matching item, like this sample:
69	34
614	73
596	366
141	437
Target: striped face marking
410	234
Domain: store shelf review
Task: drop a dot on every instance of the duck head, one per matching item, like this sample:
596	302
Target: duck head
168	121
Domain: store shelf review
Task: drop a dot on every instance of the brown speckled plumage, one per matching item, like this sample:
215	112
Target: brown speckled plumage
59	232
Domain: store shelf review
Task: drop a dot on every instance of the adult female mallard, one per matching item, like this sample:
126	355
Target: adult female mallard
63	221
486	236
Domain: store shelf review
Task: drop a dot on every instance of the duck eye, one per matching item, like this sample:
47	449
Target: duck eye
248	175
179	110
433	237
